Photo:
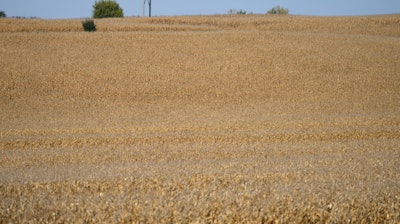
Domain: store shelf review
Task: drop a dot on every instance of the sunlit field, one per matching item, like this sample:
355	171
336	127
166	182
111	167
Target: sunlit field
202	119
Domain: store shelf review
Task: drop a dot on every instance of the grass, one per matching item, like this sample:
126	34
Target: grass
200	119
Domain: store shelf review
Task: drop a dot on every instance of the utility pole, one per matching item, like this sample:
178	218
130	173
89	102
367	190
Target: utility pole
149	7
144	7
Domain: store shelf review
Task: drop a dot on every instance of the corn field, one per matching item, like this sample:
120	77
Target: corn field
201	119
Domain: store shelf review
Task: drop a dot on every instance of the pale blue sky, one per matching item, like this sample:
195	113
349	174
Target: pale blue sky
51	9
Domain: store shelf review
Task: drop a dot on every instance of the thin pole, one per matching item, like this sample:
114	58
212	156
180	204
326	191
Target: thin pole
143	8
149	7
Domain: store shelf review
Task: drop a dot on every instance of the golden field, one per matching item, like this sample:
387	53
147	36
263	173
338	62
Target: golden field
201	119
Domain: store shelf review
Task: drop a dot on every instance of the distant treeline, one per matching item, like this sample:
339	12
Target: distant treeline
24	17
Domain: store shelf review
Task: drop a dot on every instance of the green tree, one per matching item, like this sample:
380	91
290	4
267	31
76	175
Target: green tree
278	10
107	8
88	25
242	12
234	11
2	14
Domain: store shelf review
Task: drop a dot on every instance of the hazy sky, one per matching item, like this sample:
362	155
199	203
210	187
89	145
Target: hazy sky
83	8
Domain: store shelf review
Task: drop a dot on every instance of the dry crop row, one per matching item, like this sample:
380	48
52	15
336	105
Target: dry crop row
319	182
239	134
189	199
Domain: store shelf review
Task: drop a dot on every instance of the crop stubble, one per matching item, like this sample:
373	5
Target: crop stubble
201	119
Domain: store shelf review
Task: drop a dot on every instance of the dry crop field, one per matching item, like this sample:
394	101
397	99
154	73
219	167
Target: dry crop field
206	119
